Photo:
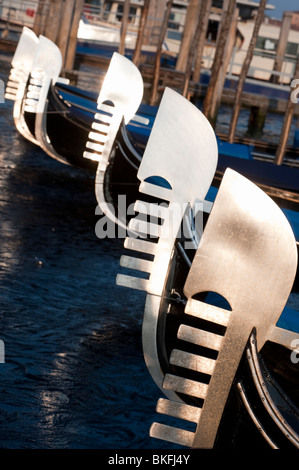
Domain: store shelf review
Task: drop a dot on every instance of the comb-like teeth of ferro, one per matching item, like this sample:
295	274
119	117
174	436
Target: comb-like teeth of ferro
99	134
185	386
34	91
146	230
175	410
136	263
192	361
171	434
15	78
202	363
144	266
142	246
178	410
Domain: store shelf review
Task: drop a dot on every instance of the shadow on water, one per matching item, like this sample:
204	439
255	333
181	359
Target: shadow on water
74	375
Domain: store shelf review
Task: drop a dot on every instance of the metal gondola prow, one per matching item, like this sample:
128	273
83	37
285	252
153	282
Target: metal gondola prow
248	256
21	67
176	172
120	96
45	71
46	68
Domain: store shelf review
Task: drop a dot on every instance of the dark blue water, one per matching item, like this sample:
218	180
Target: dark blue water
74	375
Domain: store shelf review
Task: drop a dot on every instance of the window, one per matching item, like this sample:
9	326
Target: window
292	49
266	44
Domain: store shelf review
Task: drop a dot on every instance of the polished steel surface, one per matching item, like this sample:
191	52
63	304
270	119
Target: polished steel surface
21	67
21	64
46	68
182	151
120	97
248	255
44	72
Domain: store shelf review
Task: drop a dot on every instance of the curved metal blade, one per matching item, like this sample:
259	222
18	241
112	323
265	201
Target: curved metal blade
120	96
25	50
182	149
123	85
248	255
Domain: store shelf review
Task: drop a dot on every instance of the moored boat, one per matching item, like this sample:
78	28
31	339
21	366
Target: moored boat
217	338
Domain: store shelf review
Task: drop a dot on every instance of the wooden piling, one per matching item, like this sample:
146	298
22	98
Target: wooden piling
218	62
73	37
244	70
65	29
153	97
282	44
54	20
42	13
197	45
138	46
192	18
154	22
286	126
124	27
256	121
230	43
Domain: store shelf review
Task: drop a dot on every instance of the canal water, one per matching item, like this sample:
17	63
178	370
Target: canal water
74	375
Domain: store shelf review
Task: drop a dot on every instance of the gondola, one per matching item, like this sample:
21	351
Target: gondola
70	111
245	400
191	331
98	141
68	108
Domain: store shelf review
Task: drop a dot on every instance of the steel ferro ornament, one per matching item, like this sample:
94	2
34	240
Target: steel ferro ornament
248	255
176	171
45	71
21	66
120	96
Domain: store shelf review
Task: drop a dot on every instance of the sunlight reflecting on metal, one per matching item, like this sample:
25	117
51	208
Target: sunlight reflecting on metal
45	69
22	63
181	151
120	96
248	255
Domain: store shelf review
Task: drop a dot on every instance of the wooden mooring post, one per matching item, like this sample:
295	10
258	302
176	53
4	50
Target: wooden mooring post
153	97
140	36
256	121
42	13
49	19
196	45
286	126
255	113
209	108
282	44
192	18
124	27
